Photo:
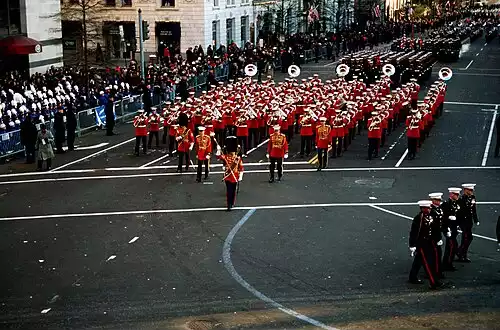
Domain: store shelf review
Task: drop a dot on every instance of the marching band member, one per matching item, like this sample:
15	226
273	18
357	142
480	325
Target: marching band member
323	142
233	166
306	133
414	126
374	134
242	133
185	141
203	149
277	149
154	128
141	131
337	133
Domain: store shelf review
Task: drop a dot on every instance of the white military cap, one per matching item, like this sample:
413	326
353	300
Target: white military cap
469	186
437	195
424	203
454	190
322	119
277	127
201	129
140	111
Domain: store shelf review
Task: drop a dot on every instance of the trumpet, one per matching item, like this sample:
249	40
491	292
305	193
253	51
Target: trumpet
375	122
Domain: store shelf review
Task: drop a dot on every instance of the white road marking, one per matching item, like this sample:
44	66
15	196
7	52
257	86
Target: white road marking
133	240
258	146
92	155
481	49
468	65
228	264
393	145
330	64
477	54
402	158
410	218
45	311
476	74
471	104
305	170
155	161
111	258
211	209
485	43
488	143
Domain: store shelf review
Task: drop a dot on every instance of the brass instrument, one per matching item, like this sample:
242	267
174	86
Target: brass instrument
140	121
414	123
374	123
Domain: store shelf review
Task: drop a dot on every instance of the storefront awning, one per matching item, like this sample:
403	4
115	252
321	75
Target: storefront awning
19	45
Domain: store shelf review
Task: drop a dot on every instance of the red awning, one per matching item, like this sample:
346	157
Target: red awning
19	45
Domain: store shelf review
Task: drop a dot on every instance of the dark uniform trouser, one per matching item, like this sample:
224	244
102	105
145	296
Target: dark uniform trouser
165	134
30	153
71	139
305	143
155	135
439	258
290	133
49	163
450	250
171	143
276	161
466	240
412	147
425	256
337	144
372	147
230	193
322	157
138	140
182	155
198	172
242	141
253	137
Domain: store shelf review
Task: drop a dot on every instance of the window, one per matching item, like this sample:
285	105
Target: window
216	3
244	29
126	3
231	2
111	3
229	31
215	33
167	3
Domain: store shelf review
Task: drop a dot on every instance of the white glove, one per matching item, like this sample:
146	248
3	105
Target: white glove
452	217
448	233
178	138
477	223
286	155
240	177
413	250
212	134
498	248
208	157
440	242
191	146
267	156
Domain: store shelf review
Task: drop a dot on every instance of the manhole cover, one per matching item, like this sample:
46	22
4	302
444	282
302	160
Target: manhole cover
379	183
204	324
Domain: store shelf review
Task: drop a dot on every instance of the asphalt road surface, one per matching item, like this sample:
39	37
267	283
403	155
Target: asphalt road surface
108	240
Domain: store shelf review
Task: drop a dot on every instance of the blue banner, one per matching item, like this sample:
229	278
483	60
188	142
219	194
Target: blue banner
100	115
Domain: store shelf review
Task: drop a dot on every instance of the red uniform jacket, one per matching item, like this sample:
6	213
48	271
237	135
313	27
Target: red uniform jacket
337	127
233	165
305	126
374	128
277	146
242	130
154	123
184	137
141	125
203	146
323	137
413	124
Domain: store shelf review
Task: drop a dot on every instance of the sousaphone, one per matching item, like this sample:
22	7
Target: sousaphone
251	70
445	74
342	70
293	71
388	69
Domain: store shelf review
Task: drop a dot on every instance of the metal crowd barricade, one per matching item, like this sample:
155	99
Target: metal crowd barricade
85	120
10	143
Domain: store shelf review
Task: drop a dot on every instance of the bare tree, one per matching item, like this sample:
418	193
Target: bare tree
85	16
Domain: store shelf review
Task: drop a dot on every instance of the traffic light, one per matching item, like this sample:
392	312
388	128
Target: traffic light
145	30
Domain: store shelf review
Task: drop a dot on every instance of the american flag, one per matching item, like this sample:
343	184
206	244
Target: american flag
376	11
313	14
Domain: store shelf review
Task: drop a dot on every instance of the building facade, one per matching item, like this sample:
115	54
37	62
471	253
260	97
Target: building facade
37	20
176	23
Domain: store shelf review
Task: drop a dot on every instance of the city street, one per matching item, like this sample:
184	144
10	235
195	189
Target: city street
108	240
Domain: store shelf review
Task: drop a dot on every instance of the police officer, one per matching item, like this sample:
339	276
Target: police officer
451	208
468	216
437	216
421	246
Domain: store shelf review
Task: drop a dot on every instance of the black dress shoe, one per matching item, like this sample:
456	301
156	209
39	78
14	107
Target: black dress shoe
279	179
449	268
198	180
271	180
416	281
318	169
466	260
